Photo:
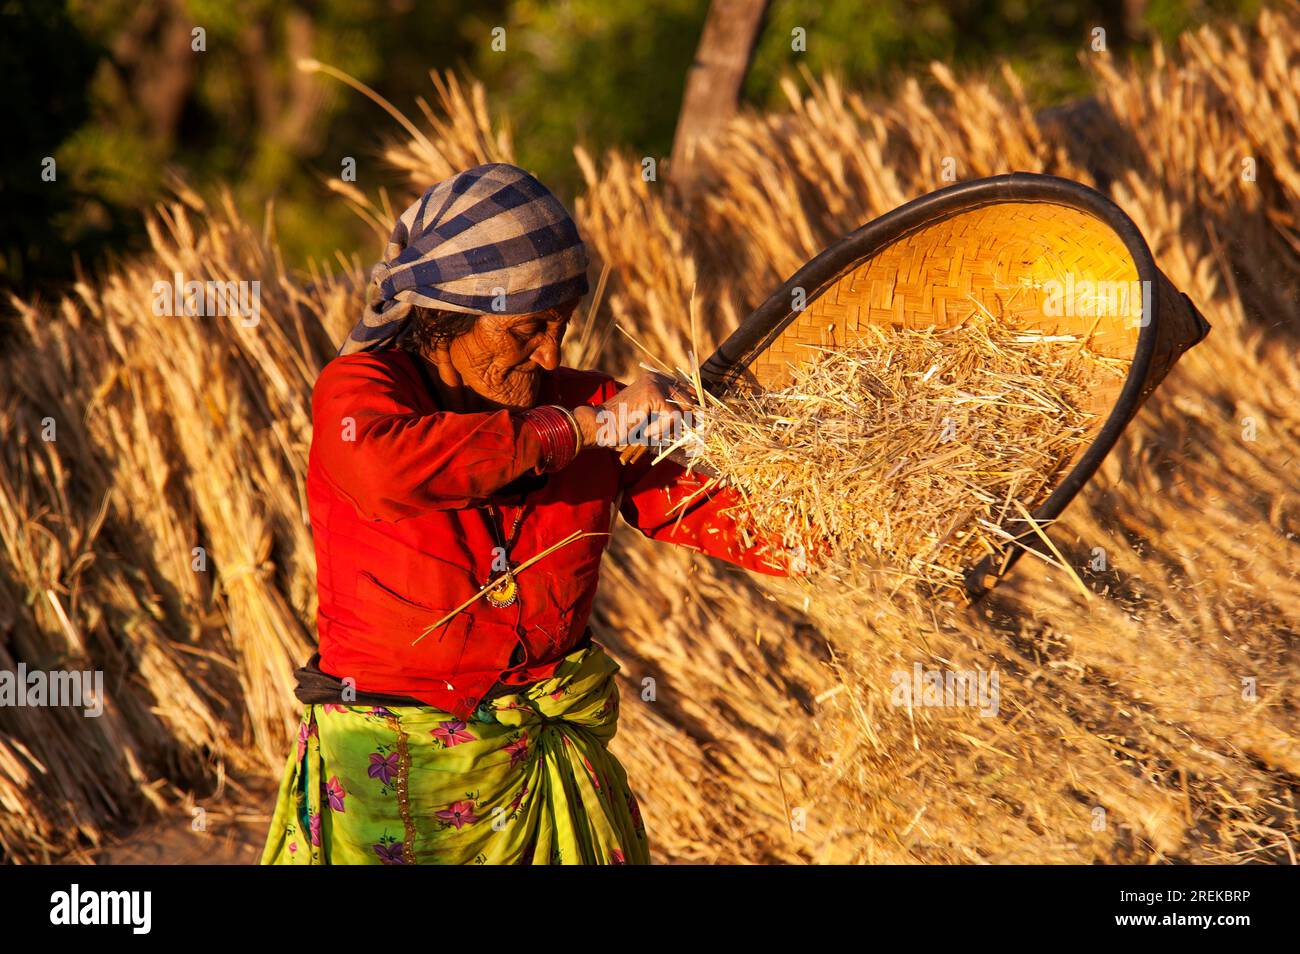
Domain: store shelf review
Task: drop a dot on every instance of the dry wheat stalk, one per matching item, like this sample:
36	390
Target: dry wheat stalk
908	450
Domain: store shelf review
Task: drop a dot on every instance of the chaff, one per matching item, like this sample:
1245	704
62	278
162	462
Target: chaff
905	450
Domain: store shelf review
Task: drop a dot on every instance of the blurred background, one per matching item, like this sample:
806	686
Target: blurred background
112	91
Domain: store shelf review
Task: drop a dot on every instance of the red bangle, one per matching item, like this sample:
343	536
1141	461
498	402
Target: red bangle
555	431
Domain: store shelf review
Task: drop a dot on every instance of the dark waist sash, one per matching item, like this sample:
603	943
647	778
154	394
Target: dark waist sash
316	687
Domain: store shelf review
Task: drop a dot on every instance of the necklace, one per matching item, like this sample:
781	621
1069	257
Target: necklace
505	593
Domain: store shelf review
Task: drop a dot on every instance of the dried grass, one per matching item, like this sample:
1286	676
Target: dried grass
909	452
1123	733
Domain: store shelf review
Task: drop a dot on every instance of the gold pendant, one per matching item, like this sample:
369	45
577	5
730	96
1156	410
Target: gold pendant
504	593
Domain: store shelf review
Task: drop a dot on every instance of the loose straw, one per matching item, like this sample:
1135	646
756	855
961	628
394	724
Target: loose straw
1074	577
308	65
906	449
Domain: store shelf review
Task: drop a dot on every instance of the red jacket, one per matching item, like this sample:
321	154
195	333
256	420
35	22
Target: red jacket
392	488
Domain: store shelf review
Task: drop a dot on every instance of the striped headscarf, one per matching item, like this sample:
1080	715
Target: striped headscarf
490	239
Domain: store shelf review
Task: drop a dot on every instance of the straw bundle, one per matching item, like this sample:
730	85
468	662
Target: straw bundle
908	452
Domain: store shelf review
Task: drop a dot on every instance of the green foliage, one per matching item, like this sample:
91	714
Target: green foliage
591	72
114	91
873	44
48	67
1168	18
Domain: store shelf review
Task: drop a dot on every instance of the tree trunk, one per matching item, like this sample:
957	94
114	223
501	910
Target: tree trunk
713	84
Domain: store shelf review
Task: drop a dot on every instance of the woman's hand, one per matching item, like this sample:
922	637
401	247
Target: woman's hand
656	398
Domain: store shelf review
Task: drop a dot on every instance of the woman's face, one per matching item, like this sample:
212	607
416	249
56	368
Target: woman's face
502	356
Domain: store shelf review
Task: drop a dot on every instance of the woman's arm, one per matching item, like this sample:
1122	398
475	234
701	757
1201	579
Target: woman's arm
667	503
378	444
656	496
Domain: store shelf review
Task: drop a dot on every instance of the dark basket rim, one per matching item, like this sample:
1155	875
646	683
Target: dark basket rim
768	320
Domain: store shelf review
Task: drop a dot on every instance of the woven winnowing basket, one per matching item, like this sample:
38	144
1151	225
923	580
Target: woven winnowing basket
1048	254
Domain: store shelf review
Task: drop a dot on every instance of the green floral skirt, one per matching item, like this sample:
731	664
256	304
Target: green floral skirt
528	780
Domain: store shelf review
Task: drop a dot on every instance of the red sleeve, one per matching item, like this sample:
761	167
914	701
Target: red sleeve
650	505
378	444
652	492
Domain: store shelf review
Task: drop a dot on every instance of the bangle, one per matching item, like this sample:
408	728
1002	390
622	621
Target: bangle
554	431
577	431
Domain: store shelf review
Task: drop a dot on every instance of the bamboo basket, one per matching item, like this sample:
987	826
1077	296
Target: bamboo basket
1031	249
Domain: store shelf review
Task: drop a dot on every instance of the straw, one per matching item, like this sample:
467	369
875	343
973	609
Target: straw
905	450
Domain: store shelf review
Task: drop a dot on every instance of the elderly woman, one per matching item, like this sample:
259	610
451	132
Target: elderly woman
458	710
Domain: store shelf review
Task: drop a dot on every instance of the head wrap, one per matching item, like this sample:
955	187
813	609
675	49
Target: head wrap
490	239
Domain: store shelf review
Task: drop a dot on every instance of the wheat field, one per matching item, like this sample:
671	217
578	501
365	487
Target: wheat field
162	535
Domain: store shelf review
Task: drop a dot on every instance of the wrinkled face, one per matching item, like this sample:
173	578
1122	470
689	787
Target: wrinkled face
502	356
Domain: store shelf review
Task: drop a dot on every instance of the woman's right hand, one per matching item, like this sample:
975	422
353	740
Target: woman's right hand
618	422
